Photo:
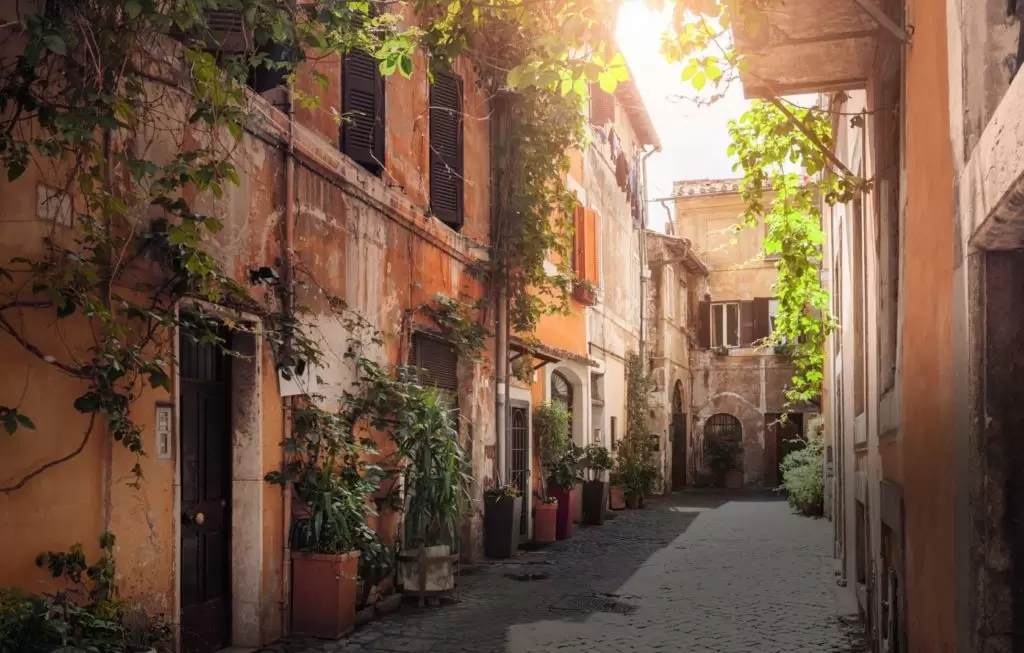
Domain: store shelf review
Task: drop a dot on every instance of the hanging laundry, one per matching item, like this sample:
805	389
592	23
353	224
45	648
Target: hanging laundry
621	171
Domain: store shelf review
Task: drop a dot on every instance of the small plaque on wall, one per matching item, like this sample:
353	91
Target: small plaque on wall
164	431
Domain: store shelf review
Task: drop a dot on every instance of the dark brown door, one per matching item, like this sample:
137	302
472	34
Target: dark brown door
205	497
678	439
678	451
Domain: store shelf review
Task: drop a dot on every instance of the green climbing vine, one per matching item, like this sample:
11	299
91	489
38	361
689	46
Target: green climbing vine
784	154
789	171
459	324
131	113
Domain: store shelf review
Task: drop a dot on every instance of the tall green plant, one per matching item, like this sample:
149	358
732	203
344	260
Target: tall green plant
803	475
551	428
437	473
636	466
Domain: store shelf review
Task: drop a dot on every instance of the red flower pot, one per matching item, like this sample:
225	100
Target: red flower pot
544	529
563	522
324	591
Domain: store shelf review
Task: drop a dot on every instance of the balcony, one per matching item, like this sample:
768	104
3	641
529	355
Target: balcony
808	46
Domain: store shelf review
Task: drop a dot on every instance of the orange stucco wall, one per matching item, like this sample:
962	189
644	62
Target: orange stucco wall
358	236
927	374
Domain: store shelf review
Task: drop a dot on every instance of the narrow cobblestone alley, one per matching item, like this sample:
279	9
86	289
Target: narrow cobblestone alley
697	572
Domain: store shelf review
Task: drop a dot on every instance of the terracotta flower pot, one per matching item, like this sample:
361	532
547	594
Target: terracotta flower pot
616	498
563	522
324	593
544	528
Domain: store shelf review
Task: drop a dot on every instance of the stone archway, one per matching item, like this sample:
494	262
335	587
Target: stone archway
566	385
752	421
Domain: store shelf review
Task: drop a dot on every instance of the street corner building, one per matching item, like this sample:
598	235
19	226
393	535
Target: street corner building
924	268
385	212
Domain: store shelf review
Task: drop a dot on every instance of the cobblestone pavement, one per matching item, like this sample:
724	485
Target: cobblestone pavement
697	573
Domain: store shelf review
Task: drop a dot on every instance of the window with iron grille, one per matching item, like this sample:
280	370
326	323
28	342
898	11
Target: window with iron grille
362	110
723	426
446	166
439	362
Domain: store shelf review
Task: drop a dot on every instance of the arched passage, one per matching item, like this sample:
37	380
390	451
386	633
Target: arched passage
679	437
567	387
723	437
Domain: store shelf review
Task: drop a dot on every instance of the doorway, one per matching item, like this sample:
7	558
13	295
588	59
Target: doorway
205	459
780	439
519	459
678	430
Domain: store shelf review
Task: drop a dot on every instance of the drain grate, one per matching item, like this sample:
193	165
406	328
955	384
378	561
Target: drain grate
592	604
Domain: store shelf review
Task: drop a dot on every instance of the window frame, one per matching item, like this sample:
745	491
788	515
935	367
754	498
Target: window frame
715	339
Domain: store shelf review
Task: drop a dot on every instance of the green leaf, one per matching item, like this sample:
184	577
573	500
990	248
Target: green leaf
25	422
405	65
132	9
514	77
713	71
699	80
566	85
607	82
10	423
55	44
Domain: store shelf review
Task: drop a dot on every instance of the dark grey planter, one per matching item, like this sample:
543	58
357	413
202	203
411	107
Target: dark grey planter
502	516
594	493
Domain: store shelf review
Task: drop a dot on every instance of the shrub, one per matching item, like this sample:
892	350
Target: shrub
802	476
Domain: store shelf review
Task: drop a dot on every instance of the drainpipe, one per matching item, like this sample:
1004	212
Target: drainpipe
289	405
643	249
499	275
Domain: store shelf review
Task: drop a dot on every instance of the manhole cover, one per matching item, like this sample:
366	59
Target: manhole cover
592	604
533	575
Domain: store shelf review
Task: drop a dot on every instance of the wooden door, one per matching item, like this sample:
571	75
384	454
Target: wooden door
781	438
205	437
519	459
678	432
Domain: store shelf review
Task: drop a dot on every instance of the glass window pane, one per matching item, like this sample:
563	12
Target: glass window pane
733	324
719	319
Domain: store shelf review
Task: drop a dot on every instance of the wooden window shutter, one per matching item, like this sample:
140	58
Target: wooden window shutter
446	166
762	324
438	360
592	263
362	110
704	325
579	246
746	323
602	106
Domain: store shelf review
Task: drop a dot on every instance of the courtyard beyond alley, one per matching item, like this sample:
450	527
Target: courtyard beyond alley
699	572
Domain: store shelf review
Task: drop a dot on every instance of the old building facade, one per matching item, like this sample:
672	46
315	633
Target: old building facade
383	227
736	380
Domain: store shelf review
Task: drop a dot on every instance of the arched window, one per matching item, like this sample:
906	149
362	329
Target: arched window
677	398
561	389
723	426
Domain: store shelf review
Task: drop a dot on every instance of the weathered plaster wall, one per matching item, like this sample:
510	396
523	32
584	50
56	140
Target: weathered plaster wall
746	385
358	236
927	379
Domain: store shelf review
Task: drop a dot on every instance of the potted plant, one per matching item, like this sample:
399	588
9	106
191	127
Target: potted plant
721	456
616	493
597	460
545	519
503	511
436	480
331	483
551	428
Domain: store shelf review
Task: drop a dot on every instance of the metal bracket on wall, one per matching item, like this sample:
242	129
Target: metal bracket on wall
876	12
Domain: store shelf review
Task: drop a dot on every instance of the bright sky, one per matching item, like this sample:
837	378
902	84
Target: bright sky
693	138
